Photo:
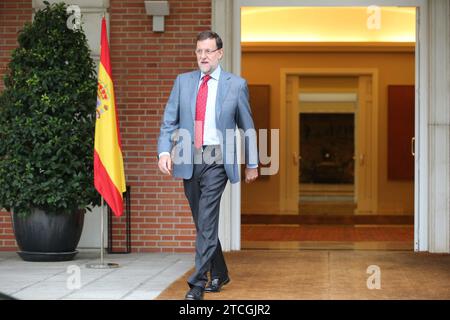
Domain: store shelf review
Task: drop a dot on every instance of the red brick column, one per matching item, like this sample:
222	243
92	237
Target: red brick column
13	15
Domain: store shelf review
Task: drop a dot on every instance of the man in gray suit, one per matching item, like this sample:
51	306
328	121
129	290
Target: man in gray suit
202	112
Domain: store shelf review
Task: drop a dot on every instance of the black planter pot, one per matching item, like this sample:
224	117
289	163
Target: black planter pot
48	237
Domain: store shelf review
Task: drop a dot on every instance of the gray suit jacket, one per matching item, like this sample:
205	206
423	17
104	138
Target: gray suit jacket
232	109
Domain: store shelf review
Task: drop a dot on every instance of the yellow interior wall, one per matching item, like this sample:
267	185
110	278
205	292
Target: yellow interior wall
328	24
259	67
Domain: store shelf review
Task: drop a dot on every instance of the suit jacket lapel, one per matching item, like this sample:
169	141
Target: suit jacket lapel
193	90
222	90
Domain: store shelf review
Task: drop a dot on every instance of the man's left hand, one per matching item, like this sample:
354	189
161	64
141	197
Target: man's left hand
251	174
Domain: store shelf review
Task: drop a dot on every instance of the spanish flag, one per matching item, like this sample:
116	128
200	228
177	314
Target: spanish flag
109	176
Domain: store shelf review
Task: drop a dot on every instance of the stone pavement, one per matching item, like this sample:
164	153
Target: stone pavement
140	276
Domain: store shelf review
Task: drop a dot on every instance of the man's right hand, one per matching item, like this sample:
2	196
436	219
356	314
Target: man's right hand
165	164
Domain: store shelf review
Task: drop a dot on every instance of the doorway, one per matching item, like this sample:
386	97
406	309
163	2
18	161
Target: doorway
326	159
327	180
226	20
326	96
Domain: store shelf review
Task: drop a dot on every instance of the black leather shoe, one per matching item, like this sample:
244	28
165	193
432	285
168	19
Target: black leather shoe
216	284
195	293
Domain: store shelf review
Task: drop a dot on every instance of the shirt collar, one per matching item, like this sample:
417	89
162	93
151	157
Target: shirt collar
215	74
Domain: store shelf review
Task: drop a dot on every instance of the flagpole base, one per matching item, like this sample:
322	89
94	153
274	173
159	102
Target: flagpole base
108	265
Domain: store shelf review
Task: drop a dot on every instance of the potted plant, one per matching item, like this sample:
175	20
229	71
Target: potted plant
47	123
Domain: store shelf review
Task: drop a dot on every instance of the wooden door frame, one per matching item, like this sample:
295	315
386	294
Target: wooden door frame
286	189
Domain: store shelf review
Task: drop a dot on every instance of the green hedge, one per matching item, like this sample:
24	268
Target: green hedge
47	118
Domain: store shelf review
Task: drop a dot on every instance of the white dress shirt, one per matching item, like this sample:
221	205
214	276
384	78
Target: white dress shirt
210	136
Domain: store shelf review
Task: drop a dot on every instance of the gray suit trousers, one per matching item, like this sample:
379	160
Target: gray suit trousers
204	191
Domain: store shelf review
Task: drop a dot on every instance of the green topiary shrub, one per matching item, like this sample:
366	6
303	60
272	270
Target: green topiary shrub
47	118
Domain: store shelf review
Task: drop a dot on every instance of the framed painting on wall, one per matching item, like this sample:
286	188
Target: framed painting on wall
401	102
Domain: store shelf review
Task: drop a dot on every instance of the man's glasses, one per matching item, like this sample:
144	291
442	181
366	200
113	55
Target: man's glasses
208	52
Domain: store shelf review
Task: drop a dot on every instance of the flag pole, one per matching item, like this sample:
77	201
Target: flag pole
102	264
101	232
107	133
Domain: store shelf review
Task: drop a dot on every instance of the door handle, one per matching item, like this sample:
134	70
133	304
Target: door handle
413	146
362	158
295	158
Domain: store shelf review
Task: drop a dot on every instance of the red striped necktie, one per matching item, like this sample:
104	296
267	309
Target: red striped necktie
200	110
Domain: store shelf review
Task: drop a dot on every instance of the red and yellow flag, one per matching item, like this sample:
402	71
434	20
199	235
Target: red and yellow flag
109	176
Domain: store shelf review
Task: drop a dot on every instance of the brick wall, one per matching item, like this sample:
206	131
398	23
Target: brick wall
144	66
13	14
